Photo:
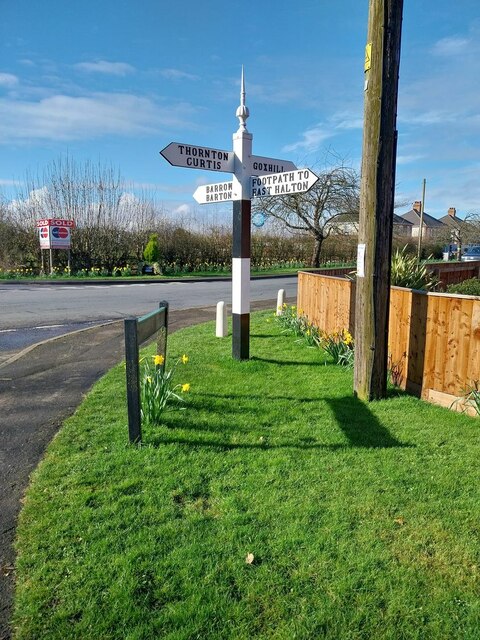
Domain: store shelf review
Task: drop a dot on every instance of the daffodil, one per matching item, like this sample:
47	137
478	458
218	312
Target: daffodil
185	360
185	387
158	360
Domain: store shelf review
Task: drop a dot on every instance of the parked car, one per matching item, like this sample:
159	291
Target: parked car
471	253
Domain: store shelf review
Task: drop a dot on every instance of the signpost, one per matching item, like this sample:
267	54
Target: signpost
253	176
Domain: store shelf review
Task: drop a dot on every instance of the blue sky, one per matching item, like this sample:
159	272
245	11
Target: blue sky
116	81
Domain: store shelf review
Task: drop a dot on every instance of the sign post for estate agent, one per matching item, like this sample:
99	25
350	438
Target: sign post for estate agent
278	177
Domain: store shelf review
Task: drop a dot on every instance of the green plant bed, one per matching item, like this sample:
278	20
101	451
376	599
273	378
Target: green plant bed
470	287
362	519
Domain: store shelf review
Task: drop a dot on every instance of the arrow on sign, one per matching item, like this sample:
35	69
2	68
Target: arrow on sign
286	183
218	192
260	166
193	157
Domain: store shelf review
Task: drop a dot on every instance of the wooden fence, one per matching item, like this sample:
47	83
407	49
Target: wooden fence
446	272
434	338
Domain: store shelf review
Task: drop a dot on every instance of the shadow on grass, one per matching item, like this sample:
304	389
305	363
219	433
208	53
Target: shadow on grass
158	440
304	363
362	429
359	424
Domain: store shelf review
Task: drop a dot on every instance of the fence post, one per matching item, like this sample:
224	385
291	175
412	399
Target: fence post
162	336
133	381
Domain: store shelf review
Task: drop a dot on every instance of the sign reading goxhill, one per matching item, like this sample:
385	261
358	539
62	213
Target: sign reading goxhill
253	176
279	184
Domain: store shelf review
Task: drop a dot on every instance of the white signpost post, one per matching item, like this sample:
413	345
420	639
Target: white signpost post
253	176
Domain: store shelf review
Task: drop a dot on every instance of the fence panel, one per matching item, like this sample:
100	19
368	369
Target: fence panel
434	338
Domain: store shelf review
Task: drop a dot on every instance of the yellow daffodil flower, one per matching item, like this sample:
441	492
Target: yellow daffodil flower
185	360
185	387
158	360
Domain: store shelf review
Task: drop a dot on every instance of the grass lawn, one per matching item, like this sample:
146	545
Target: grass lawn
363	520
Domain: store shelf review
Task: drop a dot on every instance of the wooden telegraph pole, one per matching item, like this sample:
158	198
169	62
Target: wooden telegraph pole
382	60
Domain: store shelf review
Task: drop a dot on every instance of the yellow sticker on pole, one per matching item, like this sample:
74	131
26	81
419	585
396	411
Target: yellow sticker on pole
368	56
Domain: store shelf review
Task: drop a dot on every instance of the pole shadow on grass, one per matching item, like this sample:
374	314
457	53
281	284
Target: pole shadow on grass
288	363
360	425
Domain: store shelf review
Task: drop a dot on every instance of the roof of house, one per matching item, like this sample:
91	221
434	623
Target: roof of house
428	221
452	221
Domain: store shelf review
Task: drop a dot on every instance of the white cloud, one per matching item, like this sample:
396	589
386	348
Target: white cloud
183	209
103	66
177	74
451	46
311	139
62	117
8	80
5	182
408	159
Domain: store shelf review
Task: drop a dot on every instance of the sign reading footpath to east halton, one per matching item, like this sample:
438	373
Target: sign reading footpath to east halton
286	183
194	157
253	176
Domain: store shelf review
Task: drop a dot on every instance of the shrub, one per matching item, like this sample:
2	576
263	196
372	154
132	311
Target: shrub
469	287
407	272
152	250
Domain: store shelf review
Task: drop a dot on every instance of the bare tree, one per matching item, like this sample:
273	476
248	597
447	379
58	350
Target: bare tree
315	212
109	219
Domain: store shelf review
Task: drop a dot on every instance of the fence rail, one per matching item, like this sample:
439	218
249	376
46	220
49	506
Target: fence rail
446	272
434	338
137	331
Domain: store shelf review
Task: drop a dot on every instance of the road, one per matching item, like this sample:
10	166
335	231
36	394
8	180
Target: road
31	313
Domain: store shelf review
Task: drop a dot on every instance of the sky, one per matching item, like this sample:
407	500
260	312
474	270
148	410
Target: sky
115	81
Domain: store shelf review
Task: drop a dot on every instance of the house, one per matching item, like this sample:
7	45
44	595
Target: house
432	228
454	222
347	223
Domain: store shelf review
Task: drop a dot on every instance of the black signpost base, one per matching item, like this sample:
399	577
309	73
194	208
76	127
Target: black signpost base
241	336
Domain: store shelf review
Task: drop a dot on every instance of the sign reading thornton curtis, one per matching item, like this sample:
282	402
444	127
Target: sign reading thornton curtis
279	184
193	157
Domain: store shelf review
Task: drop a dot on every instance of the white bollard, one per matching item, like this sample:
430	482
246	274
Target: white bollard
221	330
280	301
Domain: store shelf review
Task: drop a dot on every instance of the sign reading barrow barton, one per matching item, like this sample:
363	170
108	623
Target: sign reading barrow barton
286	183
193	157
218	192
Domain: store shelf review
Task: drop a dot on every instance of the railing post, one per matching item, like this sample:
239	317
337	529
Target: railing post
133	381
162	336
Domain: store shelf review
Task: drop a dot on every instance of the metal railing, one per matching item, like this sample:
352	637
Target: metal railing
137	331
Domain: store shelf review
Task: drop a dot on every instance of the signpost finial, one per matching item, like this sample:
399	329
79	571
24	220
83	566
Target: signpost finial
242	112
